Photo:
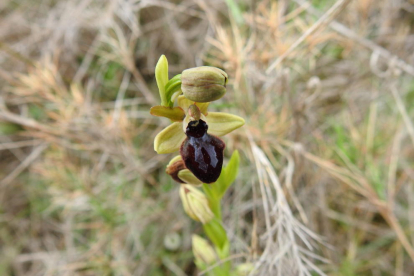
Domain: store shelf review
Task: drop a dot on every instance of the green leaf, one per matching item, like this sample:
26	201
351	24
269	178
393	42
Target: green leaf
224	252
172	86
211	191
216	233
228	174
235	11
161	75
216	191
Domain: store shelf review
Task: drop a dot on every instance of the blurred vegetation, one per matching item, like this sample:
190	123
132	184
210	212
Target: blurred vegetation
83	193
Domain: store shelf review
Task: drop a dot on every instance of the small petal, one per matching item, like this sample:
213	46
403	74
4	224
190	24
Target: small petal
220	123
173	87
175	96
169	139
175	114
188	177
185	103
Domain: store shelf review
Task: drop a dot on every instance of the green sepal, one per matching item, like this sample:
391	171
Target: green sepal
220	123
161	76
169	139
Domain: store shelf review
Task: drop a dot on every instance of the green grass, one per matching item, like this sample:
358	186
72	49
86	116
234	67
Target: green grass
97	200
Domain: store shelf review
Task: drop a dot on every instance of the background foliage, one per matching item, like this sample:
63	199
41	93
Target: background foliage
327	146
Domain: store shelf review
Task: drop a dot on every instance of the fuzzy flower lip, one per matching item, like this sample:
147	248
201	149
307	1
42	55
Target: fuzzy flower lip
170	138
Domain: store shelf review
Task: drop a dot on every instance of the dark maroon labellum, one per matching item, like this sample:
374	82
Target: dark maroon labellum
202	153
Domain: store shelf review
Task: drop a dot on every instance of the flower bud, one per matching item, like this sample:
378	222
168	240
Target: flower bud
172	241
195	204
203	252
244	269
203	84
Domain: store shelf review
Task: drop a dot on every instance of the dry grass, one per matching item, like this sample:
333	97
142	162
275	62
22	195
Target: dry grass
327	178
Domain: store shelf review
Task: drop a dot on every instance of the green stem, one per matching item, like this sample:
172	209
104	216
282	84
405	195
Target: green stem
218	236
216	208
216	233
214	229
214	202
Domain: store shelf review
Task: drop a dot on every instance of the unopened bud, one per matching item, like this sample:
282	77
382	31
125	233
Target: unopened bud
203	84
172	241
195	204
203	252
244	269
